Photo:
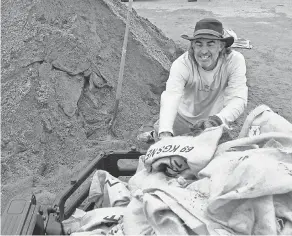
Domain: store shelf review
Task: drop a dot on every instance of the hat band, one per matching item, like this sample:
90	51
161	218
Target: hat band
207	31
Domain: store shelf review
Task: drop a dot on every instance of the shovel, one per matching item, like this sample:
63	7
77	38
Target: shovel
121	74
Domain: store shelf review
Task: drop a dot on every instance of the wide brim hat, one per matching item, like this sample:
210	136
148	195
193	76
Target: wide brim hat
210	28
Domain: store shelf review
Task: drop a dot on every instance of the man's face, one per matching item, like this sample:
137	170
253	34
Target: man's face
206	52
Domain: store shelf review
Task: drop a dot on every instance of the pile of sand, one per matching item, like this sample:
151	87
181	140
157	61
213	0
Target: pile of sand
60	64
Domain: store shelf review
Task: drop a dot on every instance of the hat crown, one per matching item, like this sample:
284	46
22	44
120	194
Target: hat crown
209	24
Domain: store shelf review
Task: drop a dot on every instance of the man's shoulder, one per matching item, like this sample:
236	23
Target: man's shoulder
183	59
235	56
234	60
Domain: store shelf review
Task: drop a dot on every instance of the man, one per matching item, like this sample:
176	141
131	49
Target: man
206	85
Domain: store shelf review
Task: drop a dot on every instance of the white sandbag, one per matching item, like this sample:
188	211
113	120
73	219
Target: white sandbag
98	220
161	218
135	221
197	151
263	120
108	191
243	186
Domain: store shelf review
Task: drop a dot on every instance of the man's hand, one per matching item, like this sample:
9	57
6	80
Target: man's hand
165	134
211	121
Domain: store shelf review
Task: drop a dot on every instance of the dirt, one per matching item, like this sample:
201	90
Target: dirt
60	64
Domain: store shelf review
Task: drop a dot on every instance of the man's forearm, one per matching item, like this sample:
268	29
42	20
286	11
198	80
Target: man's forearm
168	111
232	110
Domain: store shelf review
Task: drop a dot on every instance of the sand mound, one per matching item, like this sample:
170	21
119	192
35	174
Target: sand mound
60	64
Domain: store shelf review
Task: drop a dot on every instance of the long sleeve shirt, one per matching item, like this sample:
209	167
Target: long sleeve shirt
196	94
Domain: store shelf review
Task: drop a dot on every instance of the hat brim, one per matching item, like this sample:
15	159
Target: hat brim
228	40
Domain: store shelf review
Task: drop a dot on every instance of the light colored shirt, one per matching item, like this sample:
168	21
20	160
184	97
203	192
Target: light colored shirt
196	94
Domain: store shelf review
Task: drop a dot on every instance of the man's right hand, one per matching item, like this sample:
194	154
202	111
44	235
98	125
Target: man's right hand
211	121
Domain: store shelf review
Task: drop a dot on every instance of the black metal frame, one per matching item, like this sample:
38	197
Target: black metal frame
105	161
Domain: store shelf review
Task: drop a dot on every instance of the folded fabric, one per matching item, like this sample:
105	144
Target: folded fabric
263	120
184	198
171	166
98	220
161	218
251	190
193	222
260	141
242	43
195	151
283	210
145	180
117	229
135	221
90	233
238	42
141	163
240	191
108	191
246	189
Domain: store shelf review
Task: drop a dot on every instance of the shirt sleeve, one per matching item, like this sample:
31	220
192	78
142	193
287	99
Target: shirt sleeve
236	92
170	98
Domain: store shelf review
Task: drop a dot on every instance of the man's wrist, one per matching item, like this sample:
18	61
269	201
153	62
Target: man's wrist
222	118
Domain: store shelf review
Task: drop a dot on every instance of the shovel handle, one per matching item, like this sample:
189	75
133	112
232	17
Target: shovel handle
122	66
